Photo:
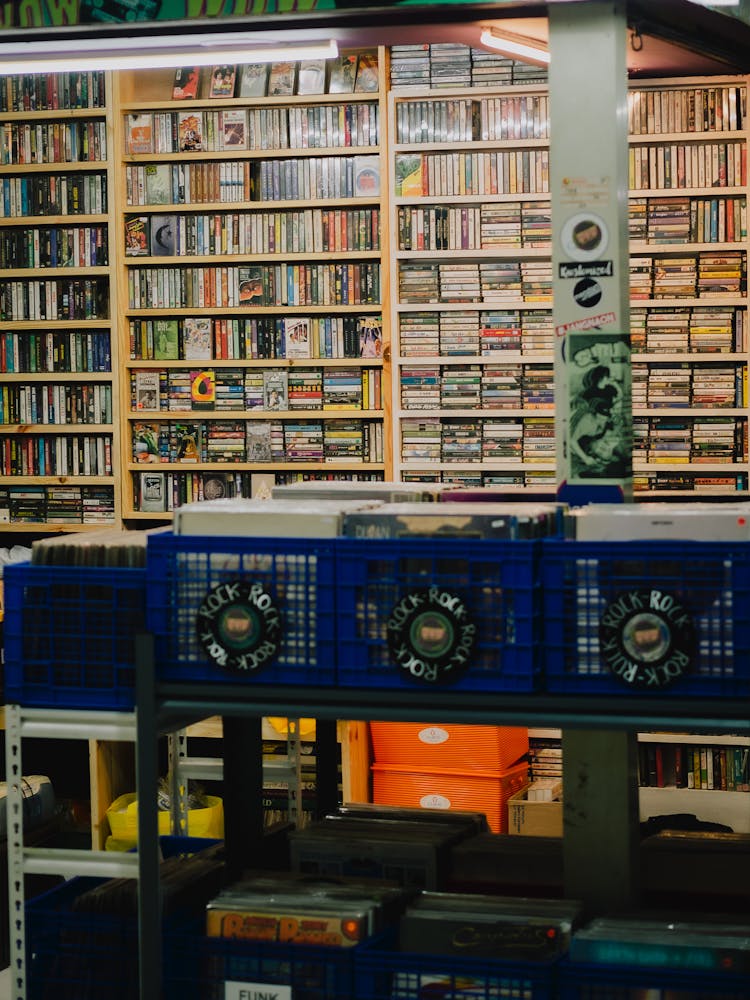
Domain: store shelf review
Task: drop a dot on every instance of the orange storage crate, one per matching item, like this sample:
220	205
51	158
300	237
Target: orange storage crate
477	791
441	747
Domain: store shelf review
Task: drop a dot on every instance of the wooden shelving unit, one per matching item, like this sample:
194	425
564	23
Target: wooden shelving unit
58	434
303	218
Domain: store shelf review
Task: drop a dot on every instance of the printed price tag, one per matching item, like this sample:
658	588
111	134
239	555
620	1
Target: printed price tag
256	991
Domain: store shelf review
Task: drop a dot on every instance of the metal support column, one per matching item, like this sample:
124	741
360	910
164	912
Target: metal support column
147	779
600	819
590	267
593	423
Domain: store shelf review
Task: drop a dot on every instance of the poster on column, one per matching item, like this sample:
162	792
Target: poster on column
597	365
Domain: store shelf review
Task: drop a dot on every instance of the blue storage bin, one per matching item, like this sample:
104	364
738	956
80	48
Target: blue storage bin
580	981
197	967
662	618
75	955
69	635
445	612
384	973
236	609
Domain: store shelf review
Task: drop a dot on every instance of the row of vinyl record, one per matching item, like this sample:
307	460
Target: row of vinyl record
170	490
306	231
61	455
469	332
689	329
284	284
53	194
700	385
55	351
178	441
265	389
500	171
698	108
471	386
200	338
699	766
472	119
58	403
55	298
318	126
473	227
486	281
509	440
453	64
690	439
78	141
53	91
292	179
349	72
158	491
688	220
688	275
54	246
698	165
57	504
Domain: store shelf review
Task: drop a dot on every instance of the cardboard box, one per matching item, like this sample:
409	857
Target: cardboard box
534	819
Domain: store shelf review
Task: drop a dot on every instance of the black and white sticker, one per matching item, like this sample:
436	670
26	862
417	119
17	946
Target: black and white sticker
239	626
587	292
647	638
431	635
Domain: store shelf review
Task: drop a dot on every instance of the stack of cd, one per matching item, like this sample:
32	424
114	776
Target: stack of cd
410	65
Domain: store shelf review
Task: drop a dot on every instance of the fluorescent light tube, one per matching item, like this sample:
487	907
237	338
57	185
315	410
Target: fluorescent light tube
515	45
150	52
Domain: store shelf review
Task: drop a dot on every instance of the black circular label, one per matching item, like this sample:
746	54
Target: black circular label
647	638
587	292
239	626
431	635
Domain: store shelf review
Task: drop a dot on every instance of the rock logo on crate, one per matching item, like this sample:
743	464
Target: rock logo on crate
239	626
431	635
647	638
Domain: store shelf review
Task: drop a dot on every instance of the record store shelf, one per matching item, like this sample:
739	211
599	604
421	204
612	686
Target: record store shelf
166	707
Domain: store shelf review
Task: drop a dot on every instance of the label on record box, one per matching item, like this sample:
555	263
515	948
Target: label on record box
239	626
431	635
647	638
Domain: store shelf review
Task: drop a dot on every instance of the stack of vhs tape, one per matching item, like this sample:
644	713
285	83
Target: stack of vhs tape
409	846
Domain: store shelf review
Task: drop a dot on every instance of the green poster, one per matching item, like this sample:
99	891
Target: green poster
51	13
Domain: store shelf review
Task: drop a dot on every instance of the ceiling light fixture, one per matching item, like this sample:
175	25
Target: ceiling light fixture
529	49
133	52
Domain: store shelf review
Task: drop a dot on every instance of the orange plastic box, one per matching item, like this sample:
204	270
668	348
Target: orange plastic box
438	746
478	791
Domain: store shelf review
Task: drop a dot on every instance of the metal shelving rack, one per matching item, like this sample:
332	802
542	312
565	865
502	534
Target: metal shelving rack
601	816
73	724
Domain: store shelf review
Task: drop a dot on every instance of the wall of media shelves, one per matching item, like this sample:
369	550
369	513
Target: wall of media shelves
58	352
471	317
343	280
293	189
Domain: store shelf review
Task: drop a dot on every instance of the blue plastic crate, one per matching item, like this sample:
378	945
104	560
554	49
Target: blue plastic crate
80	955
69	634
580	981
197	967
669	618
445	612
384	973
235	609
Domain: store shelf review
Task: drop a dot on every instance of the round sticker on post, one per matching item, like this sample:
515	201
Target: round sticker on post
584	236
431	635
647	639
239	626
